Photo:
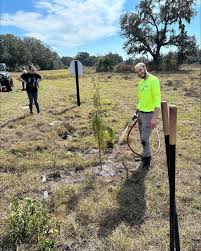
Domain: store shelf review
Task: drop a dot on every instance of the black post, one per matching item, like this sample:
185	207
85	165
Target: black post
172	155
177	239
165	116
172	152
77	83
172	196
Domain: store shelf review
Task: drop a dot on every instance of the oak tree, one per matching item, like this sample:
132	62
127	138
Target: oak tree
156	24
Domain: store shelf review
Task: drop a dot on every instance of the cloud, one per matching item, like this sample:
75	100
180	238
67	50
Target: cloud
198	2
68	23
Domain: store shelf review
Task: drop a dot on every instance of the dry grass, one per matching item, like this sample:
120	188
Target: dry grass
100	212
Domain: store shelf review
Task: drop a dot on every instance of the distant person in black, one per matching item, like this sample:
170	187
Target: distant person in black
23	82
32	78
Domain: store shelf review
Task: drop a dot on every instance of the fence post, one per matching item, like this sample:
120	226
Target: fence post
174	233
172	150
165	118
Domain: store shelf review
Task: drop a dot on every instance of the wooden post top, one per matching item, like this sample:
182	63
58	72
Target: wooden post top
173	123
165	117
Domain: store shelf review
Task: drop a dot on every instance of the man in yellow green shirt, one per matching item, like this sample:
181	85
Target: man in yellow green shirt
149	102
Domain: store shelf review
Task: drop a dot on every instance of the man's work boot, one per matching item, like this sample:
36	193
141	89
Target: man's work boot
146	162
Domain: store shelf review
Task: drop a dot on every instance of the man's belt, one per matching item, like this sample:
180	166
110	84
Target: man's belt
145	112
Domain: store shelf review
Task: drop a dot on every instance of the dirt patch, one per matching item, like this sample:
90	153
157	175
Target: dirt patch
67	176
54	176
8	169
65	135
175	83
111	167
106	170
192	92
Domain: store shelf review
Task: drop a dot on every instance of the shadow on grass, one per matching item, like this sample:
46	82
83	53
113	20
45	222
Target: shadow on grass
83	193
63	111
14	120
132	205
7	245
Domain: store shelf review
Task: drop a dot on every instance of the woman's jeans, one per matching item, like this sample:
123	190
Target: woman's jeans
33	96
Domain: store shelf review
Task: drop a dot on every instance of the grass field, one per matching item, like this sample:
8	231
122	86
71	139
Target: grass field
105	211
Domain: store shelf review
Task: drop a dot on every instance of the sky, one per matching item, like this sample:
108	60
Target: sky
72	26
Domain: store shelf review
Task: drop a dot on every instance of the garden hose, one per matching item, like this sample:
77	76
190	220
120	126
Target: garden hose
135	121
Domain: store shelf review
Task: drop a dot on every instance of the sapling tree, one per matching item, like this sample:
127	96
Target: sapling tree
97	122
104	134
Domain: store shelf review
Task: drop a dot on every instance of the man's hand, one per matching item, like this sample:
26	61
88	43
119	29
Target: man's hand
134	116
153	120
153	123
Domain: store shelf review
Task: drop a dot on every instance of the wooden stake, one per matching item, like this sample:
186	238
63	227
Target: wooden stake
165	117
173	124
172	151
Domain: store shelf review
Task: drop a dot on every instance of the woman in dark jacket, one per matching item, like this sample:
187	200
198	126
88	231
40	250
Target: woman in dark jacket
32	78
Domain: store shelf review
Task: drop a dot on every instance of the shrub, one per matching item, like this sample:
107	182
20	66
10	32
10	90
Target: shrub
169	64
29	223
124	68
104	65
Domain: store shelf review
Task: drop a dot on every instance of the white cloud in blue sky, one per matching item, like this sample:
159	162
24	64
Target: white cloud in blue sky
71	26
70	23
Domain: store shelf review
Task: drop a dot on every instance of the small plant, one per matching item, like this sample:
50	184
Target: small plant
109	137
29	223
97	122
105	135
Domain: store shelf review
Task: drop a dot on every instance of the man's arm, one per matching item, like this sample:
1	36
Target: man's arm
157	101
154	117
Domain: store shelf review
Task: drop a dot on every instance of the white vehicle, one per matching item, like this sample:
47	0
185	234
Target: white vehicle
6	81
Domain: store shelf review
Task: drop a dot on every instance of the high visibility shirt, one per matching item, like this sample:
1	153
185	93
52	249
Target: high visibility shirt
149	95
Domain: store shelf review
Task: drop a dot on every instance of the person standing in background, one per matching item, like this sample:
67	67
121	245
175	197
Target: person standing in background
32	78
23	82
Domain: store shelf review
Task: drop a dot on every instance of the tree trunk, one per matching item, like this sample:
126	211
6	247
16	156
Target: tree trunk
156	62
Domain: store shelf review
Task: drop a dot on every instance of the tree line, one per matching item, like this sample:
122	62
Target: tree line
154	25
17	52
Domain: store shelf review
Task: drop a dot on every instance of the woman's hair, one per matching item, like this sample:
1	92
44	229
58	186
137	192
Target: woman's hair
31	66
